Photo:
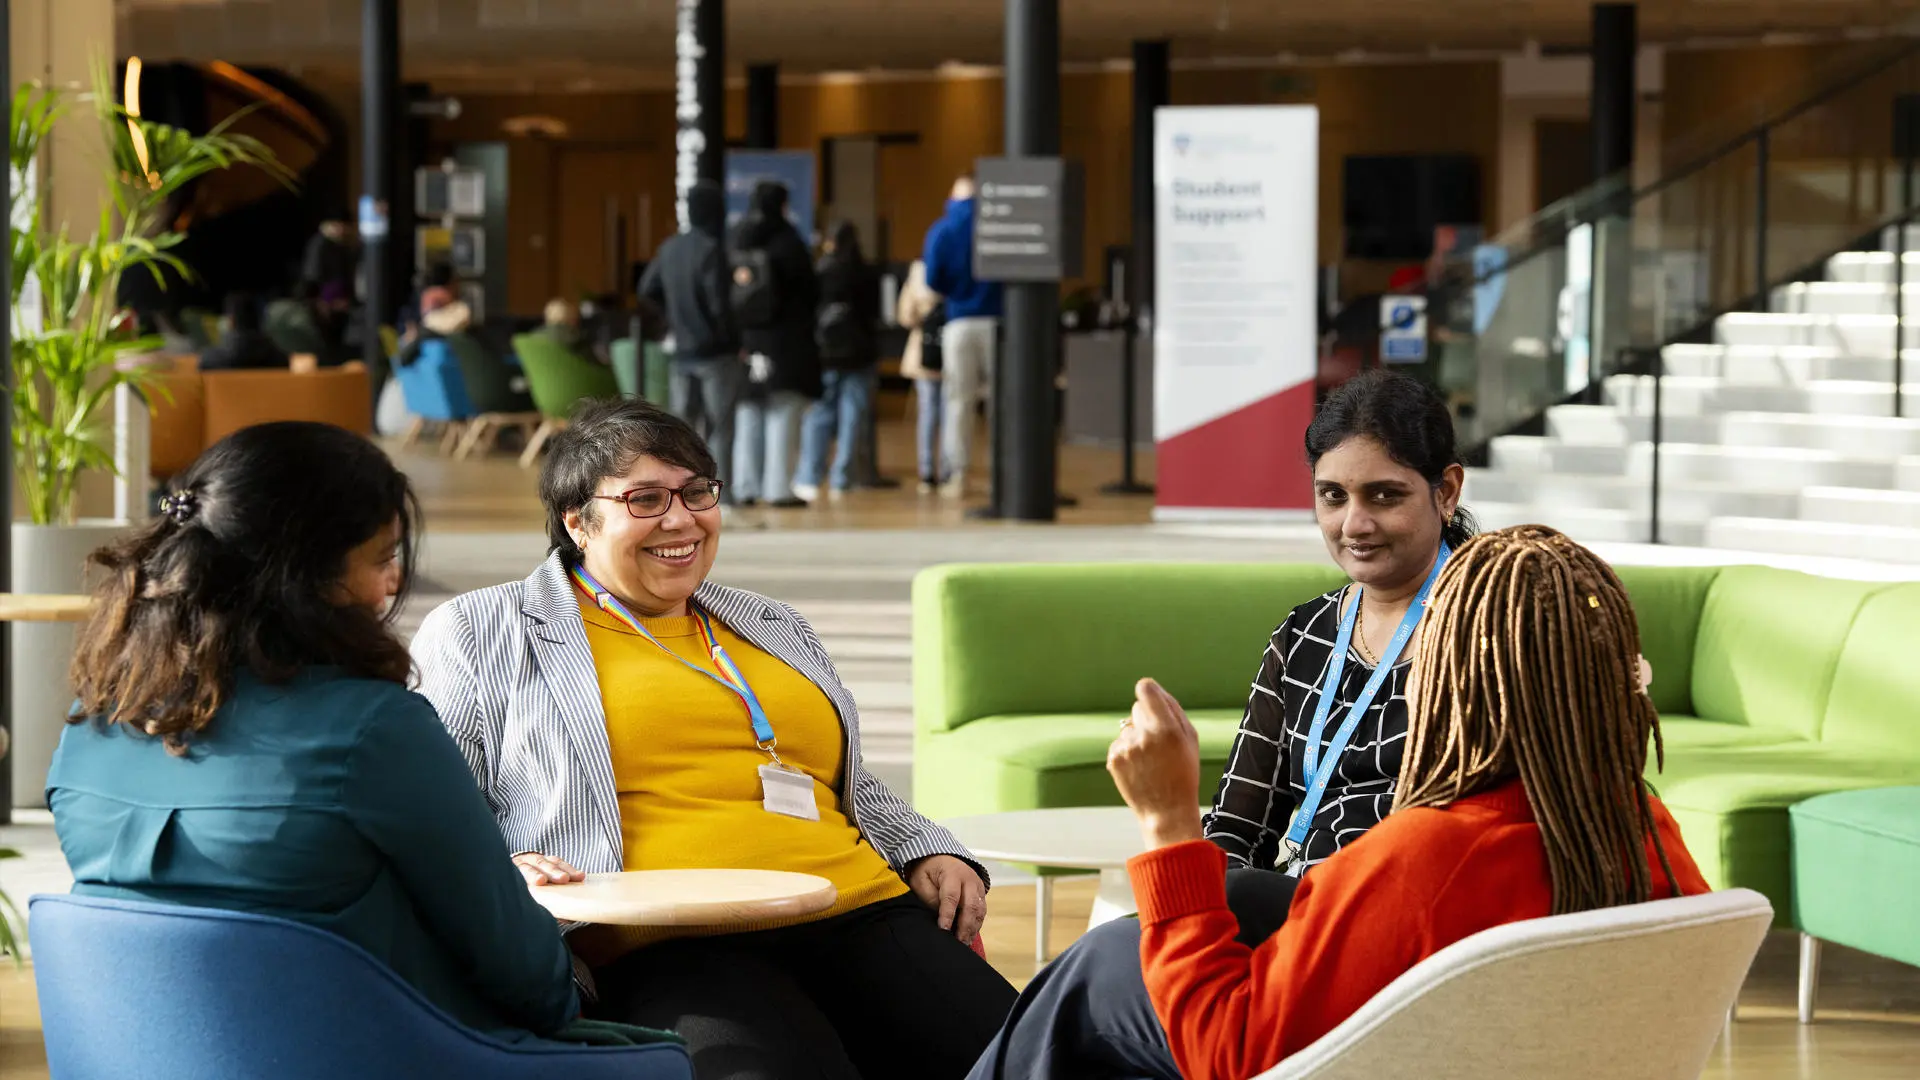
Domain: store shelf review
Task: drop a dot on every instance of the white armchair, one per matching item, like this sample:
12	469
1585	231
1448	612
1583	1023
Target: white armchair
1640	991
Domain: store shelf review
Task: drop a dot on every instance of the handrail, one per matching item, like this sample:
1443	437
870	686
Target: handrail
1567	214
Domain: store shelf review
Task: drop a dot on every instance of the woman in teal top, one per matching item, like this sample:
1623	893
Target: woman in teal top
245	738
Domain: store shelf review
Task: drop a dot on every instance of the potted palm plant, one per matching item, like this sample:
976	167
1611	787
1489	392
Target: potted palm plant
70	345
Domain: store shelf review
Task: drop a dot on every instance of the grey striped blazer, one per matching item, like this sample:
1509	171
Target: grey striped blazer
509	670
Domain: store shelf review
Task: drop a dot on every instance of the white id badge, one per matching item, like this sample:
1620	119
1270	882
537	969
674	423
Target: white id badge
783	791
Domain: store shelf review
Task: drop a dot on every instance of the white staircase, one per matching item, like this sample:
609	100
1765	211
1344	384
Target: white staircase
1778	437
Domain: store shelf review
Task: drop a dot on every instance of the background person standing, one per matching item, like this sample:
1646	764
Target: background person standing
973	326
688	280
774	296
843	330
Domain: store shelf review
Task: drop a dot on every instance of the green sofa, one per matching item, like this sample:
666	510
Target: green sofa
1773	686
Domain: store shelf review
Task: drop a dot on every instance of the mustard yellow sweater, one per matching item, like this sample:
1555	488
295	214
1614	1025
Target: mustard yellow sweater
686	768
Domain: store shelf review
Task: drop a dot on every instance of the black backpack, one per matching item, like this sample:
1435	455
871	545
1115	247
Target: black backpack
836	330
932	329
755	296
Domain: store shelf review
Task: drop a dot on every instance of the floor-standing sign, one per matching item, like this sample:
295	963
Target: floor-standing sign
1235	336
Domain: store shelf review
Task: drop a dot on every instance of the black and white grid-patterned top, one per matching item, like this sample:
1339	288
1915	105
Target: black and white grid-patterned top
1265	777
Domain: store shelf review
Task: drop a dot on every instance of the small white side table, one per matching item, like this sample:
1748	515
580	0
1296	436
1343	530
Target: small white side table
1098	838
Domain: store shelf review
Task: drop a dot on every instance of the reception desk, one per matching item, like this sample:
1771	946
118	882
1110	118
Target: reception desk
1094	388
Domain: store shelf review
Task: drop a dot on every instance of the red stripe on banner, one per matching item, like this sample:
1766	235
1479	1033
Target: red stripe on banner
1251	459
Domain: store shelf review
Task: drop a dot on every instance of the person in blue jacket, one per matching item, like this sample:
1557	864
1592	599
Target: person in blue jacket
245	739
968	342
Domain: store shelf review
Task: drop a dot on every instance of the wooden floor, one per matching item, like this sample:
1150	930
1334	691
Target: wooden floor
1869	1028
496	495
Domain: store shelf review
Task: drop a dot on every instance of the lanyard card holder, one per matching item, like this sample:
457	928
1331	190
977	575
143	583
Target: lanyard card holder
789	792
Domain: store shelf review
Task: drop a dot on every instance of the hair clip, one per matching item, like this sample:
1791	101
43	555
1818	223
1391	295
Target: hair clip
180	506
1593	601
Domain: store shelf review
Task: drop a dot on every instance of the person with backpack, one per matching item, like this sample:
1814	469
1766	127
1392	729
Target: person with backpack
924	313
844	332
774	297
688	281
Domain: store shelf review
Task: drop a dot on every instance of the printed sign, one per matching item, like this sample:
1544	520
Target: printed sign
1236	332
1403	329
1027	219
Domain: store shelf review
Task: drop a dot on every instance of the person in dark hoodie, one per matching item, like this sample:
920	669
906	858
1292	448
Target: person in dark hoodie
687	280
844	332
969	339
774	295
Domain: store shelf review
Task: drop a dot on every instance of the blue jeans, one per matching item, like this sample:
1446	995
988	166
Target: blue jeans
840	417
704	393
766	432
931	396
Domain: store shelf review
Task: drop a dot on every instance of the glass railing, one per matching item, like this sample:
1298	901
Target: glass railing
1552	309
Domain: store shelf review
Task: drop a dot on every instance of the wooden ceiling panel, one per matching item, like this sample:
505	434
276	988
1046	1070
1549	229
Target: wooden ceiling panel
631	41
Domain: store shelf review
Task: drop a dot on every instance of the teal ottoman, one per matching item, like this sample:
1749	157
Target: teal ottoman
1856	872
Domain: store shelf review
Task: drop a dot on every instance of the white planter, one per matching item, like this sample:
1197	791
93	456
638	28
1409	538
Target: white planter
47	559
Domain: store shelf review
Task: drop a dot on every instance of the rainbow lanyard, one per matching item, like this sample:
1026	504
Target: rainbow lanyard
729	676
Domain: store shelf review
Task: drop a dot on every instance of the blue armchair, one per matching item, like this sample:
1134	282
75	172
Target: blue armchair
164	992
436	393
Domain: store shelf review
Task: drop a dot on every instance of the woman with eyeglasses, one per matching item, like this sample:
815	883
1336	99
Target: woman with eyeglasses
622	712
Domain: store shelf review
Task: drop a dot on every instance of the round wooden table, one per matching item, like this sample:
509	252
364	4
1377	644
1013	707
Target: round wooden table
26	607
687	897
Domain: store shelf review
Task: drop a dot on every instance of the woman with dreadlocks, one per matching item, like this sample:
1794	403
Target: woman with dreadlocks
1520	795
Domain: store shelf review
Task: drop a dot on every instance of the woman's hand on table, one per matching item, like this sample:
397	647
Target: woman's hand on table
954	891
541	869
1156	764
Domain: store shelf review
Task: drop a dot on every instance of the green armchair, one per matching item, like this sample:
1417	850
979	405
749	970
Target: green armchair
559	379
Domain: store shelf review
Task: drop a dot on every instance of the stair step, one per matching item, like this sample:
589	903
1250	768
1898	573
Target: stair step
1890	238
1606	424
1872	266
1689	501
1887	543
1859	335
1691	395
1587	525
1540	454
1780	365
1860	506
1844	298
1858	436
1761	467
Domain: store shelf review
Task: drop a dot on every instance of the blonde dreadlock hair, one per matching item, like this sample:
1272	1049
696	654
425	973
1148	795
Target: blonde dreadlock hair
1529	668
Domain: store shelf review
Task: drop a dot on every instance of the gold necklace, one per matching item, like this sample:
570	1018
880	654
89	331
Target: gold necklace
1360	633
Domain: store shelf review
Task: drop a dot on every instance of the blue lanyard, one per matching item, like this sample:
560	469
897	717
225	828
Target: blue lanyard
1319	773
730	675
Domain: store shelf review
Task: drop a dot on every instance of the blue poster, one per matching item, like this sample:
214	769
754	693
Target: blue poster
794	168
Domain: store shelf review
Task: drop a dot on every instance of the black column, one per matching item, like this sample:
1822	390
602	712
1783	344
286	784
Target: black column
763	107
700	97
1615	52
382	256
1151	89
1024	386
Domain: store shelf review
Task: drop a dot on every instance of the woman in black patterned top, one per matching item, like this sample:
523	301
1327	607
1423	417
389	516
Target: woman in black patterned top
1387	481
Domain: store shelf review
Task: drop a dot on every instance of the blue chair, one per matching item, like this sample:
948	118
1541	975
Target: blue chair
164	992
436	393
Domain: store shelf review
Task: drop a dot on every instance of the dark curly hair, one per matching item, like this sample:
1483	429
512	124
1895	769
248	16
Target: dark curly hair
238	572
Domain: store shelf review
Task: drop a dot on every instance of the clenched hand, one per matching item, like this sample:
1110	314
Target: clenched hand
1156	764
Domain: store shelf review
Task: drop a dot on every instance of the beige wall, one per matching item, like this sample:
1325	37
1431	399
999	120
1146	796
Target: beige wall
57	42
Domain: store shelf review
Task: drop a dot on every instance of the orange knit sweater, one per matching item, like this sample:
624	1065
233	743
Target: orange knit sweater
1418	882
